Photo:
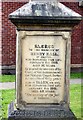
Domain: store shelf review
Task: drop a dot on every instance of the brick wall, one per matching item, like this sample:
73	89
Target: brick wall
77	36
9	35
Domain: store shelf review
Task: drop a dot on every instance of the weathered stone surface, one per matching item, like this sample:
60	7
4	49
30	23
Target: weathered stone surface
28	83
48	113
37	8
44	12
43	61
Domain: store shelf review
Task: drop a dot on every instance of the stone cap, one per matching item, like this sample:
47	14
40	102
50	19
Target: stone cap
44	12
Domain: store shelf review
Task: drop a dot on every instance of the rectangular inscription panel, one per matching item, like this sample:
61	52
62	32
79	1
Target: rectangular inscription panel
43	69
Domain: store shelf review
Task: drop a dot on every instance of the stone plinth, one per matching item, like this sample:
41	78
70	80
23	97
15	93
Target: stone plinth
49	113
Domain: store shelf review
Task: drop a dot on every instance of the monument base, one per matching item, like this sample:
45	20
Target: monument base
47	113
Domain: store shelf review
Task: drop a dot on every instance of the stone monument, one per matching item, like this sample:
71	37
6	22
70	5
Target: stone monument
43	60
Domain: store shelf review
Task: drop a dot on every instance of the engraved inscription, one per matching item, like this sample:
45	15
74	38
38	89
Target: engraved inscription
43	69
42	113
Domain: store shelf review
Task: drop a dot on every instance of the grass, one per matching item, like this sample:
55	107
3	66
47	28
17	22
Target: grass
11	78
7	78
75	100
76	75
7	97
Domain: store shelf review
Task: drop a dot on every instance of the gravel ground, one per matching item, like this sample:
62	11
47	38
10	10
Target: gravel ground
7	85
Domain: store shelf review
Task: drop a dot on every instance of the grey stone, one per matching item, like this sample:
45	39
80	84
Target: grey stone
81	3
40	114
44	12
37	8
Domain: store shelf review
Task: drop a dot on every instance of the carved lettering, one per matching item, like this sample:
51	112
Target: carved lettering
43	67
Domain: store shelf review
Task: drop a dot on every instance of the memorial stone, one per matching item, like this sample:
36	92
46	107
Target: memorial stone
43	60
